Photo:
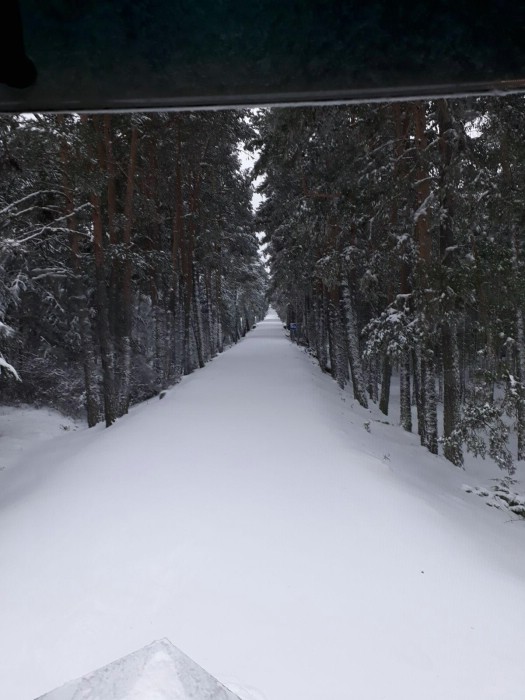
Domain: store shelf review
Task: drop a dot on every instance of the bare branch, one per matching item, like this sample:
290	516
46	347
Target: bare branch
29	196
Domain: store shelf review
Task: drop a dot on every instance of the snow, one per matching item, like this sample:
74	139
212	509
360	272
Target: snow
8	368
24	428
159	671
251	519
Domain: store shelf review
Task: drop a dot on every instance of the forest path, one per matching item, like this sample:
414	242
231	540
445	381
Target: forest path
249	518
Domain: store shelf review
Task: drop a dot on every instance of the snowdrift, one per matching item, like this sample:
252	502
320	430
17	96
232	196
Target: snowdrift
252	519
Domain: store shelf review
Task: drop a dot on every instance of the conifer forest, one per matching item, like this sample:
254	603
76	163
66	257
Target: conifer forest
128	255
394	242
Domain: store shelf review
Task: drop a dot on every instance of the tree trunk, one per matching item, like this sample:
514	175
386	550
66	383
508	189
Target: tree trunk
449	333
401	118
386	375
419	378
338	358
520	412
430	407
405	403
422	230
209	326
427	411
322	354
197	321
126	301
354	357
88	359
451	389
106	354
373	380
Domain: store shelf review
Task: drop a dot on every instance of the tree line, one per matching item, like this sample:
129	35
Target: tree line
128	254
396	243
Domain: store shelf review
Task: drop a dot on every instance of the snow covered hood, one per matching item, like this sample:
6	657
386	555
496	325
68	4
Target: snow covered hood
159	671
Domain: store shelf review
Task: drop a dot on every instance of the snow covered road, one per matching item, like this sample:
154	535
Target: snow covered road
250	519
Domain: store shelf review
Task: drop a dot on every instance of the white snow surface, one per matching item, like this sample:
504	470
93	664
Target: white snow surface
24	428
159	671
250	518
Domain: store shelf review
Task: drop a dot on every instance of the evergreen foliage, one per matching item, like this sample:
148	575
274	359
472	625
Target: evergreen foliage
395	239
394	234
128	255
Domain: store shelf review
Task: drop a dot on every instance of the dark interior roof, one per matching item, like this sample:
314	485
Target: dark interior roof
122	54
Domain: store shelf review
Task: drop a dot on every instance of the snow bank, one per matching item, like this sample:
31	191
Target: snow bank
159	671
24	428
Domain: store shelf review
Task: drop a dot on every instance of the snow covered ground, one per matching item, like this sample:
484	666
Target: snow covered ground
24	428
251	519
